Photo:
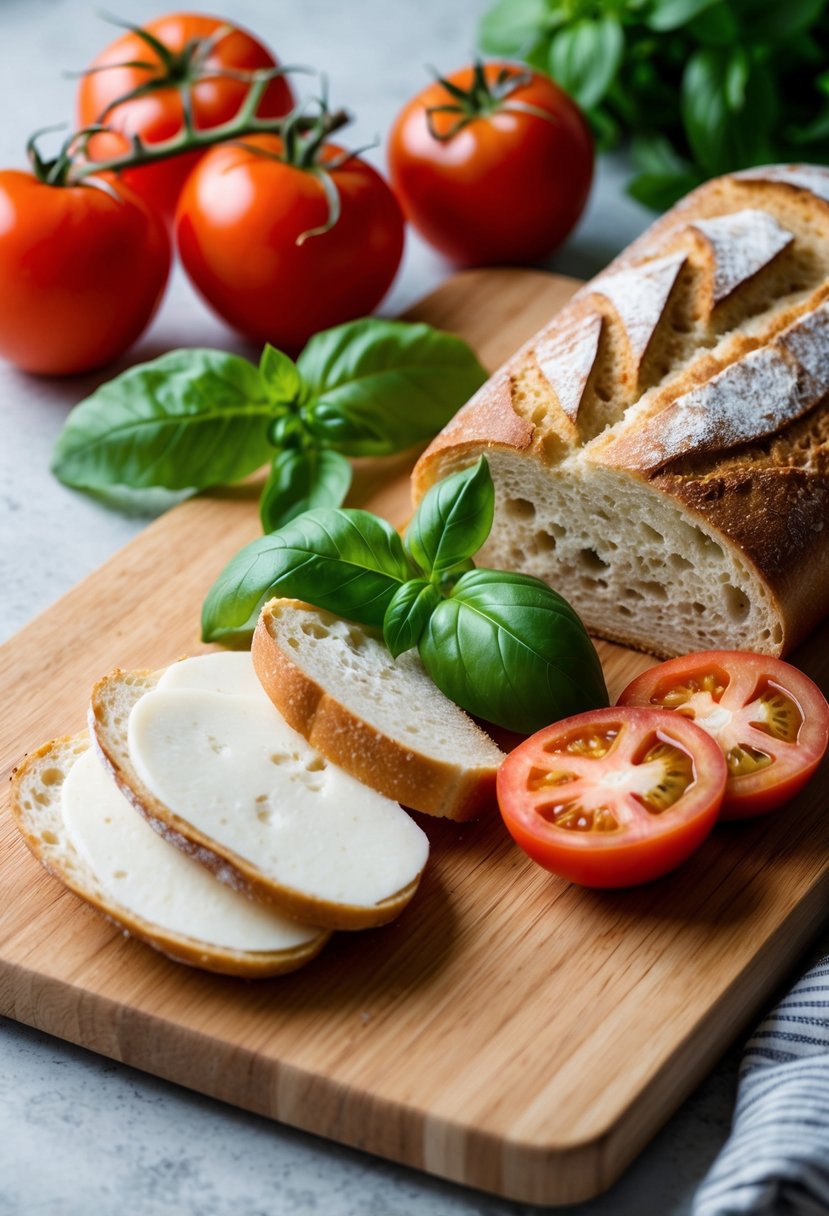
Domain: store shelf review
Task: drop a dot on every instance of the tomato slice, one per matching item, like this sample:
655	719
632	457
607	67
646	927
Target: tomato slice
613	797
771	720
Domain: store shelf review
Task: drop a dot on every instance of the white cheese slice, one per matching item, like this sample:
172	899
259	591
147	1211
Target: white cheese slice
232	767
229	671
152	879
742	243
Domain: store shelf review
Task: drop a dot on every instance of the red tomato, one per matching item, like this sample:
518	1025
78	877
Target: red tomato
157	115
509	184
770	720
81	272
613	797
243	231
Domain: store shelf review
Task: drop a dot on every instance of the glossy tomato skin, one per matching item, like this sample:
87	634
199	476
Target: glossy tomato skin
654	844
81	273
239	230
743	674
158	115
507	188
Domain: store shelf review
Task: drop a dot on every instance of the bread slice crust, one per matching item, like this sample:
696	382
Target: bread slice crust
111	701
35	794
396	768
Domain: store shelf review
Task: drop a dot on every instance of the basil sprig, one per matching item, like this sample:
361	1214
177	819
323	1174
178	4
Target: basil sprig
193	419
701	87
504	646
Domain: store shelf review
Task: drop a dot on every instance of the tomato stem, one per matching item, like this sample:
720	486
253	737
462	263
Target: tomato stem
482	98
71	167
178	70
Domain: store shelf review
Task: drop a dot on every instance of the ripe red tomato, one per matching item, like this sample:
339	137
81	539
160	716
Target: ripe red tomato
157	115
243	231
511	181
613	797
81	272
770	720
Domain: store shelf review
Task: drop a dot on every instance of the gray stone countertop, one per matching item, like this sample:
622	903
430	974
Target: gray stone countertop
80	1135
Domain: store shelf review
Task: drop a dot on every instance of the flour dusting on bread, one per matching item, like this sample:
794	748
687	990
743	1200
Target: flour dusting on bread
683	504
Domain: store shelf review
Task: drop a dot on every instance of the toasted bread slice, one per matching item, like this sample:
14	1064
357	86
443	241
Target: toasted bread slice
223	777
379	718
103	853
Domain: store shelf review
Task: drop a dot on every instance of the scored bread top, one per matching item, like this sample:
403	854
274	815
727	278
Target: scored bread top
698	363
739	260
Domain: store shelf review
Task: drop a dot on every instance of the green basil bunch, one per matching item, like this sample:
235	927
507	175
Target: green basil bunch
701	86
505	647
199	418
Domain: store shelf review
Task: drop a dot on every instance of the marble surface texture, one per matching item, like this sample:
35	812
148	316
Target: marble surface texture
80	1135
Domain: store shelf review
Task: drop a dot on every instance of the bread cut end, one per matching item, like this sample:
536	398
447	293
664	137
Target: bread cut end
36	807
112	701
381	719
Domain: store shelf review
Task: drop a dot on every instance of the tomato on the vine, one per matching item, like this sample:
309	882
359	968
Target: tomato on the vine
82	269
492	164
214	58
613	797
770	720
282	243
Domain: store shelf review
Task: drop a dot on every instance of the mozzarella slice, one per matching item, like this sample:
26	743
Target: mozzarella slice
226	671
229	764
149	877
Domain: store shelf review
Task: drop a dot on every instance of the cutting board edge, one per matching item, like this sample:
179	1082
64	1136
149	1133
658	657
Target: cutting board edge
523	1171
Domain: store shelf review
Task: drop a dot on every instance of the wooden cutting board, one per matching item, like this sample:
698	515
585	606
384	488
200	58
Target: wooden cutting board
510	1031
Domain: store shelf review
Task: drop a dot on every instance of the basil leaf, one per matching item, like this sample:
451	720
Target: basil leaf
509	649
280	376
661	190
671	14
585	57
383	386
349	562
728	105
453	520
301	479
717	26
188	420
517	28
773	20
407	615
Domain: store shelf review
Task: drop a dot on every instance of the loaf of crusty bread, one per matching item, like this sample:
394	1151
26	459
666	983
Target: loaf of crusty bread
660	450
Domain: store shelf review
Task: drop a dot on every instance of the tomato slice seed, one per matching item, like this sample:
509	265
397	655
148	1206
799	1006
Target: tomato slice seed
594	744
575	818
712	682
677	776
777	714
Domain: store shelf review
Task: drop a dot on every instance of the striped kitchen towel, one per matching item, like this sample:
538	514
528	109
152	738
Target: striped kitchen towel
776	1160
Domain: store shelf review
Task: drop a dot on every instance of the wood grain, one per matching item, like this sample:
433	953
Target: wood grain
509	1031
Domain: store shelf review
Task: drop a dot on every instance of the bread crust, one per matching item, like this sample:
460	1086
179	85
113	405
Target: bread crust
441	789
224	863
756	477
190	951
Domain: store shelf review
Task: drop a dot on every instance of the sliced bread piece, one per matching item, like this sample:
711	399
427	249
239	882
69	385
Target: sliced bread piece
379	718
84	832
205	756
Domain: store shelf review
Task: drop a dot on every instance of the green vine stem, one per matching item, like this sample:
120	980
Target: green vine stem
71	166
482	98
